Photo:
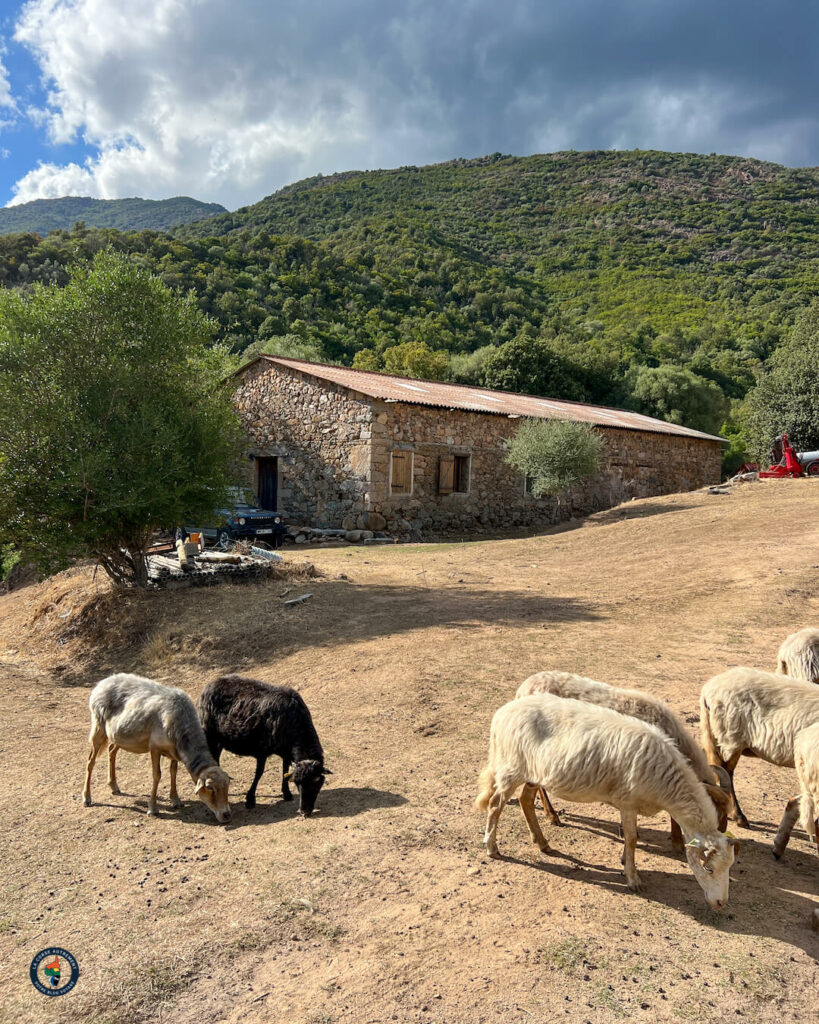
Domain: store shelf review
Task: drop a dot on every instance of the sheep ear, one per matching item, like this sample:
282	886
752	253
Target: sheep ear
200	785
288	775
326	771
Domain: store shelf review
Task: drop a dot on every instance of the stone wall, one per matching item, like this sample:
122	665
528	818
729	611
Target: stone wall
321	435
335	446
636	464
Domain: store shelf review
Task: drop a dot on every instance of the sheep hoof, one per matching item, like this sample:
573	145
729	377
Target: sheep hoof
176	804
152	812
116	791
556	822
634	884
86	799
544	848
250	802
493	852
742	821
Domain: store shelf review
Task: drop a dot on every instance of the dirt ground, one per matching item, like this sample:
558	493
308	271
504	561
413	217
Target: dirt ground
382	907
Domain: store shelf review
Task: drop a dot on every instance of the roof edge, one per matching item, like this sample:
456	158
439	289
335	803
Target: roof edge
305	364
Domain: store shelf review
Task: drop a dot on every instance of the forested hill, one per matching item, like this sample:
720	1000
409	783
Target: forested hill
43	215
621	237
658	281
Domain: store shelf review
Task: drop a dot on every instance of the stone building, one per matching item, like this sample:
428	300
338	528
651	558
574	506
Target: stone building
331	446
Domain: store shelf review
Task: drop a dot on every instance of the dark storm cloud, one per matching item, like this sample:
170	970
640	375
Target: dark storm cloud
230	100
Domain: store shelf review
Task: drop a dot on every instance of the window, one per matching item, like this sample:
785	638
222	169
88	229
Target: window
401	473
528	484
453	474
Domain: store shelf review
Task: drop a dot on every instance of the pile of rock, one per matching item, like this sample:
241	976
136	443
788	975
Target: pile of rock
353	535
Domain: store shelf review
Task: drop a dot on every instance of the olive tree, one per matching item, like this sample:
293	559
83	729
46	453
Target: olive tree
555	454
115	417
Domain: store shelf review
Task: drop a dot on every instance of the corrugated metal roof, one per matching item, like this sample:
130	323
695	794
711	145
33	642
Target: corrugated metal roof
460	396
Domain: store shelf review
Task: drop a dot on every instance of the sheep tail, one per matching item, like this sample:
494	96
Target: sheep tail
486	789
709	743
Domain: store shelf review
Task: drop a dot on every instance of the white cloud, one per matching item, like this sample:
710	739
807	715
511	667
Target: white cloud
227	101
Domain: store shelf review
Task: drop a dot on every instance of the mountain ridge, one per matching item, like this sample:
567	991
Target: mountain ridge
39	216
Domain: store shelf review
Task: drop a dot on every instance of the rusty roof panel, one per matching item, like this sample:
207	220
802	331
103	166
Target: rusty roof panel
473	399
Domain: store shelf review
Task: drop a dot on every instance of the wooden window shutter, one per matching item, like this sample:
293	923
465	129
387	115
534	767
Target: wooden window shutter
446	474
401	463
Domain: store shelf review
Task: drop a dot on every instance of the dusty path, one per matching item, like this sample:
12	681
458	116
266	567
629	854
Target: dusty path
382	906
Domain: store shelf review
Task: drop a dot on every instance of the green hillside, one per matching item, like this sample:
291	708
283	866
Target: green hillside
658	281
43	215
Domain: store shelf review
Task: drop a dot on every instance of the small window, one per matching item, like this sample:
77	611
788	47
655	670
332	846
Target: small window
462	473
401	473
528	484
453	474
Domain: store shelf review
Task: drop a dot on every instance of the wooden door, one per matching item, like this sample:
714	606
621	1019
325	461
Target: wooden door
268	483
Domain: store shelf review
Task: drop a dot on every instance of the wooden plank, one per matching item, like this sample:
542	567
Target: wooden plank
446	474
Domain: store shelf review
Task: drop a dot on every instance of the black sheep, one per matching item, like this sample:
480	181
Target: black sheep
253	719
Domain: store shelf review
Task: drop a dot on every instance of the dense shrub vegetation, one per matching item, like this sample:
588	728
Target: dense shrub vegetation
579	275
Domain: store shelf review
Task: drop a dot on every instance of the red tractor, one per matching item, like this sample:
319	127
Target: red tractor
787	462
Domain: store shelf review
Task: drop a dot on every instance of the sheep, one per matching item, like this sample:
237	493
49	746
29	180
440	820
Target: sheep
587	754
748	711
138	715
798	656
253	719
806	762
647	709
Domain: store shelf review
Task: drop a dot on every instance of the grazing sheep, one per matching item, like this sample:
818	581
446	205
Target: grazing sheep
587	754
798	656
647	709
253	719
746	710
138	715
806	762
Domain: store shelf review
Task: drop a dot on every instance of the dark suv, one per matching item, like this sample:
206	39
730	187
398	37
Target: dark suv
241	521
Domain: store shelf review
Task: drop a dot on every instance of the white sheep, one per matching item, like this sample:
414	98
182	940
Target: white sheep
806	762
637	705
140	716
798	656
590	754
746	710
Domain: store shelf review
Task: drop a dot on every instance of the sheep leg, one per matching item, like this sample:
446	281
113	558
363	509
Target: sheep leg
786	827
527	805
629	824
112	769
286	794
157	775
677	840
554	817
496	805
250	798
175	801
736	813
97	741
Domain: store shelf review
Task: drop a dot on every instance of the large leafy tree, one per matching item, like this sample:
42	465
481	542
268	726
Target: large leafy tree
786	396
115	417
679	396
530	365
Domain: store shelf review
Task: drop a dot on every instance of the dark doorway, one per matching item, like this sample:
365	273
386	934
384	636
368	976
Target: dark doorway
268	482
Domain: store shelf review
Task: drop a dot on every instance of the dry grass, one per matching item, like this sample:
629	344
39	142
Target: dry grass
382	906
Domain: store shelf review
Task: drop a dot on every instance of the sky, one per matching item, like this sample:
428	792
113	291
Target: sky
228	100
